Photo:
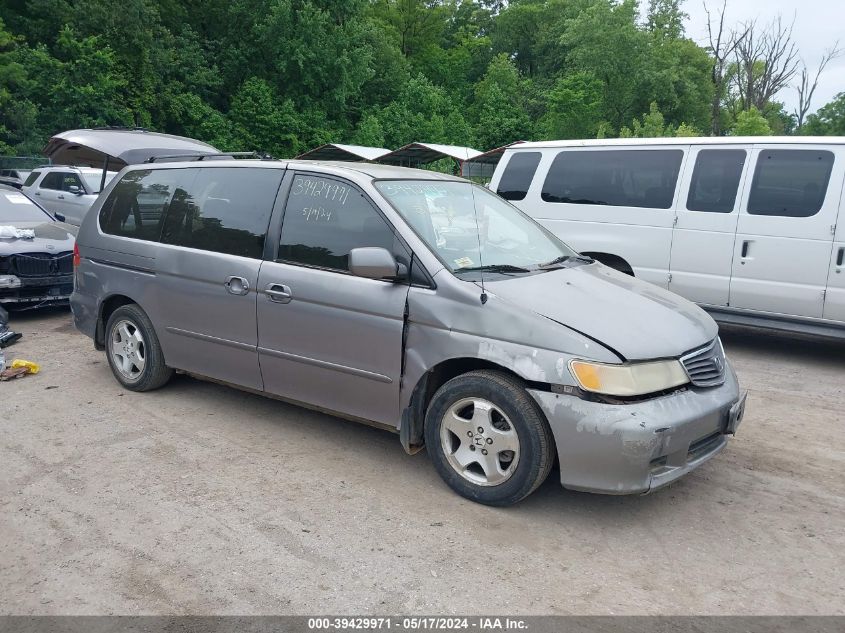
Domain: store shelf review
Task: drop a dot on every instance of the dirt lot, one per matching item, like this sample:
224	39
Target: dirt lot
201	499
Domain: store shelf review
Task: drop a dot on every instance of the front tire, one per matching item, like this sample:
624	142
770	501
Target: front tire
133	350
488	439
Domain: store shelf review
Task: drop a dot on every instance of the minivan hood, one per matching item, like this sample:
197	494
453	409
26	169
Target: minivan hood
633	318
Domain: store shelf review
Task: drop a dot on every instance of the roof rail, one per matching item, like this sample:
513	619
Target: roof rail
133	128
199	157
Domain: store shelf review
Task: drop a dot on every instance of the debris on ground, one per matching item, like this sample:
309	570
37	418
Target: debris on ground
18	369
7	337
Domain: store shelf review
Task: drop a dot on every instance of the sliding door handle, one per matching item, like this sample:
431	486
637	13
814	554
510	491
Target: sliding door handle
278	293
840	256
745	245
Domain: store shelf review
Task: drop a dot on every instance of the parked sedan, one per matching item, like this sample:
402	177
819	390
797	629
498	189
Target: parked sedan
36	252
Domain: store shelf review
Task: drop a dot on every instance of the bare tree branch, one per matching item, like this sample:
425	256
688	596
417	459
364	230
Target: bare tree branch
766	61
807	82
722	46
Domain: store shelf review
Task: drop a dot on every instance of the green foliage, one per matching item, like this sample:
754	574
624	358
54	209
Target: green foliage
281	76
574	108
829	120
751	123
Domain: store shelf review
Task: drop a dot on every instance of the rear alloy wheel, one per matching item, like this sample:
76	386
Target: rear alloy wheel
133	350
488	439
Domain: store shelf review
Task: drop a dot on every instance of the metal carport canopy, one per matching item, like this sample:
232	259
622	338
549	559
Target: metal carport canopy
122	147
337	151
483	165
423	153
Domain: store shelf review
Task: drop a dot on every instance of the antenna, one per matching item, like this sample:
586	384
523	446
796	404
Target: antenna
478	235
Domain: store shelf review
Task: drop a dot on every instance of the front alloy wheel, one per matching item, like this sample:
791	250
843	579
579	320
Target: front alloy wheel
488	438
479	442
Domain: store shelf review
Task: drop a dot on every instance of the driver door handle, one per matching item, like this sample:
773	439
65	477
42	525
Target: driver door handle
237	285
61	197
278	293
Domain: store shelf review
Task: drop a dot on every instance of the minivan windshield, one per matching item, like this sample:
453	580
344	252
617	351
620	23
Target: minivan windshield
471	229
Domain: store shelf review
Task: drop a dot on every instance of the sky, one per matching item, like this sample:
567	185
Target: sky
818	25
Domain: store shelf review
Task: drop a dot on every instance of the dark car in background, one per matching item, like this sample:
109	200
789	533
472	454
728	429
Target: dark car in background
36	252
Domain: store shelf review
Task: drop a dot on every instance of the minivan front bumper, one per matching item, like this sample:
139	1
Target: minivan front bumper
639	447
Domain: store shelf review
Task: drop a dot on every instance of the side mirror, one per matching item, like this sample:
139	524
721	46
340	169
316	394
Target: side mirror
60	217
374	262
75	189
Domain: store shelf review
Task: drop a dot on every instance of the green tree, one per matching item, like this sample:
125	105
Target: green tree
651	125
751	123
573	108
422	112
499	108
829	120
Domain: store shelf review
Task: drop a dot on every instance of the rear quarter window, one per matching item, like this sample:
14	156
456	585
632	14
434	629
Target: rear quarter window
137	204
33	176
790	182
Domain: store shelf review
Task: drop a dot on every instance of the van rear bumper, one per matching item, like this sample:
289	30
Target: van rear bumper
639	447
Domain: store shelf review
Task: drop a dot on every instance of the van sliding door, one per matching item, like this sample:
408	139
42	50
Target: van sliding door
705	227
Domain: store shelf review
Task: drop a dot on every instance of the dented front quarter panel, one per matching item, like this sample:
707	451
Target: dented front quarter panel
452	323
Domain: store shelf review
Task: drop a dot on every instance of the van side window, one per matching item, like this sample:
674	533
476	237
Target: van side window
790	182
715	180
137	204
33	176
326	218
225	210
620	178
518	174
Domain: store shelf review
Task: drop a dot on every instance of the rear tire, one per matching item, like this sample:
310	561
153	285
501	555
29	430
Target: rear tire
133	350
488	439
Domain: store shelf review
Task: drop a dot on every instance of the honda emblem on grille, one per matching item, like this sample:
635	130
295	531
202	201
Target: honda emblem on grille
50	247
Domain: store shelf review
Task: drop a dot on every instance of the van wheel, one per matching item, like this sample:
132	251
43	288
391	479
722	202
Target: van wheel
488	439
133	350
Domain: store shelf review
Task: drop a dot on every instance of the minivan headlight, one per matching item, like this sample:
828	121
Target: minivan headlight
634	379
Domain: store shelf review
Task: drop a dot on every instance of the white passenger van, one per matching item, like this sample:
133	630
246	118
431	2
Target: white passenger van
752	229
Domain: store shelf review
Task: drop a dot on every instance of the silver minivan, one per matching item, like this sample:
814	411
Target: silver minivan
409	300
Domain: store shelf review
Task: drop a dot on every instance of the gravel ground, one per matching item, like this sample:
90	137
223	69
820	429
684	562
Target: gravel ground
201	499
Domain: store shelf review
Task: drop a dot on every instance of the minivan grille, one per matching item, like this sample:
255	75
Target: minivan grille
42	264
706	366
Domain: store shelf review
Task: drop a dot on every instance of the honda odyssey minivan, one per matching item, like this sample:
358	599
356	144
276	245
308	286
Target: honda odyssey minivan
409	300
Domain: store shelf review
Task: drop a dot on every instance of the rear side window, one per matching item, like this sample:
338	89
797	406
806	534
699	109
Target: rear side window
327	218
225	210
790	182
138	203
33	176
53	180
518	174
715	180
621	178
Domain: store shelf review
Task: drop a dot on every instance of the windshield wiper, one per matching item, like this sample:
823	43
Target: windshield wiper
567	258
493	268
